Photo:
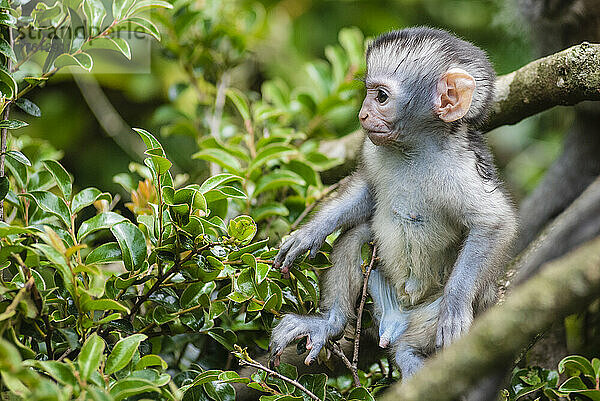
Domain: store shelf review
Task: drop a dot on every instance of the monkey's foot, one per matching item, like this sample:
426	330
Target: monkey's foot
317	329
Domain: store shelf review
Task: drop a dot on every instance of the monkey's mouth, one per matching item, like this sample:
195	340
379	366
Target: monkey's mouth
381	138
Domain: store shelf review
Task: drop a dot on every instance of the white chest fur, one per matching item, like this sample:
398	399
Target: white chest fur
415	221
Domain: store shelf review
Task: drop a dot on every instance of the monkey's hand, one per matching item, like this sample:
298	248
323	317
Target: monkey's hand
454	320
304	239
318	329
392	325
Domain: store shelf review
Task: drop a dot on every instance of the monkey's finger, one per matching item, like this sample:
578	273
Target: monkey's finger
314	250
314	352
291	256
283	250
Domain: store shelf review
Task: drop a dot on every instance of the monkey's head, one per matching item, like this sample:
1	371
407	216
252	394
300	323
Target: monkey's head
423	81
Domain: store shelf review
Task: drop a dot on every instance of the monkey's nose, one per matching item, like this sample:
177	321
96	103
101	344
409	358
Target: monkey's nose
363	115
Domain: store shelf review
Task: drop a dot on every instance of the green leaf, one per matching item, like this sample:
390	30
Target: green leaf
277	179
150	360
4	187
268	210
242	228
105	253
61	372
128	387
103	305
360	393
270	152
573	384
220	157
220	391
120	8
574	365
18	157
149	140
122	353
262	270
13	124
240	101
19	172
99	222
90	356
216	180
29	107
315	383
8	19
63	179
52	204
108	43
8	87
94	14
7	50
161	164
192	294
86	197
145	5
82	60
132	243
139	25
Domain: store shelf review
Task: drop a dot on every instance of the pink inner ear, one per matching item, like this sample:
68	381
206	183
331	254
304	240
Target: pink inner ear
454	94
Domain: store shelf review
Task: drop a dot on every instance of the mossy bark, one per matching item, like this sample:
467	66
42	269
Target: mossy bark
564	78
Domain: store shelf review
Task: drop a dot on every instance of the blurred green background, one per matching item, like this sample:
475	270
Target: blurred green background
292	33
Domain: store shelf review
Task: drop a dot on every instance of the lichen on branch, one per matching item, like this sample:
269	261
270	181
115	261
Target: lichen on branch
564	78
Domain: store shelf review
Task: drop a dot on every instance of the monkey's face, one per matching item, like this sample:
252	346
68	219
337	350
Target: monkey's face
378	115
403	106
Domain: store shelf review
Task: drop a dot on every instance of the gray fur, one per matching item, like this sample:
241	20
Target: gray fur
431	197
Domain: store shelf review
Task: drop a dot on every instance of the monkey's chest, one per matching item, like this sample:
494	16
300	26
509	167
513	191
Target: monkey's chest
418	245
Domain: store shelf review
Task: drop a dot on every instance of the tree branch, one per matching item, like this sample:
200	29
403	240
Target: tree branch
559	289
564	78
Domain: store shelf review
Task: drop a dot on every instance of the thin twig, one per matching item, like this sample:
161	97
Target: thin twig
363	299
334	347
310	207
282	377
4	131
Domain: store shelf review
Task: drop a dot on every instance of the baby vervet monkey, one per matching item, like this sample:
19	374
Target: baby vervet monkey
426	192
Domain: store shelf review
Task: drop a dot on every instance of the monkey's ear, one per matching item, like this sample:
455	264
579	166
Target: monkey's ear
454	94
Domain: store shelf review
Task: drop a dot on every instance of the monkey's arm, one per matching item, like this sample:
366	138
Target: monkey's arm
351	206
492	226
340	286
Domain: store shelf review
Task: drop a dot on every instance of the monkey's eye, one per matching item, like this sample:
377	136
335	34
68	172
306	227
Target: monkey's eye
381	96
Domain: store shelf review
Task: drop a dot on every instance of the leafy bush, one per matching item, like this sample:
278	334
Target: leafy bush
582	381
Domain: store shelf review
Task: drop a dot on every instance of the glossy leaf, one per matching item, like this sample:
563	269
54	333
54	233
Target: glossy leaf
7	50
137	24
13	124
18	157
63	179
276	180
217	180
94	13
132	243
28	107
100	221
82	60
90	356
240	101
103	305
86	197
220	157
123	352
52	204
108	43
105	253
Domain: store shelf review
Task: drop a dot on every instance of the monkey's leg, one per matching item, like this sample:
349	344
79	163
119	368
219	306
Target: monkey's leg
340	286
408	360
392	321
